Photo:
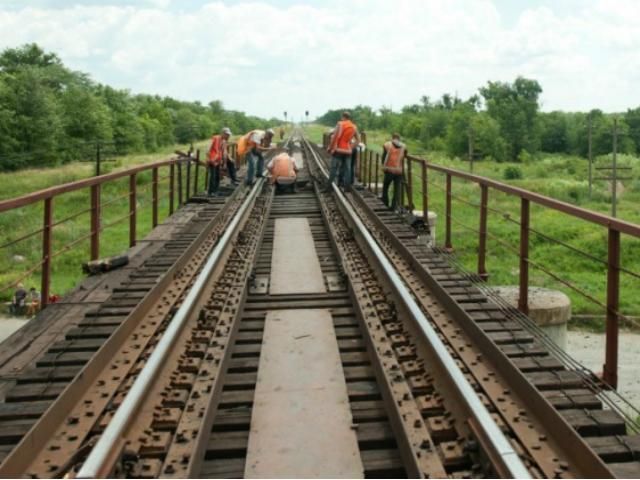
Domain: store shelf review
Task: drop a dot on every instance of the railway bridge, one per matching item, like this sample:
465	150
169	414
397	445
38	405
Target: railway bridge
312	334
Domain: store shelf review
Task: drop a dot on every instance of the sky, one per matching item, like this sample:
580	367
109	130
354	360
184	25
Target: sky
267	57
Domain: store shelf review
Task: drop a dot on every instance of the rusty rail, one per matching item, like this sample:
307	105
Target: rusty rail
96	209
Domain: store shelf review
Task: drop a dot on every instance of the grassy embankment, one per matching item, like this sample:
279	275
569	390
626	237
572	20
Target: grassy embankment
559	176
114	240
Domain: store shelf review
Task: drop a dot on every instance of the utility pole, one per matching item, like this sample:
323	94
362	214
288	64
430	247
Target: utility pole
306	116
614	170
590	157
285	117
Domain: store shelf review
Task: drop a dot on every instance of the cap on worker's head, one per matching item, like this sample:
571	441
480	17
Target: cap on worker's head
226	131
20	285
396	135
270	131
346	115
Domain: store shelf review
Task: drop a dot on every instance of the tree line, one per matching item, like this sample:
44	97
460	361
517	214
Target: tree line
503	122
50	114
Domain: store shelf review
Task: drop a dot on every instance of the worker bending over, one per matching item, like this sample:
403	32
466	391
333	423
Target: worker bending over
393	155
340	148
283	170
218	157
252	145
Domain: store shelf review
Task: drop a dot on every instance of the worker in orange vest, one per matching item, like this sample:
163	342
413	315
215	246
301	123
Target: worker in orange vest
340	148
257	142
393	155
283	170
217	158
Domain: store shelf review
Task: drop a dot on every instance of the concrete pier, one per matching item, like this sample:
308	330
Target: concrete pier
550	309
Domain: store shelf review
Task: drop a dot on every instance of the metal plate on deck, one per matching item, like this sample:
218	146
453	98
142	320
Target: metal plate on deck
301	421
295	267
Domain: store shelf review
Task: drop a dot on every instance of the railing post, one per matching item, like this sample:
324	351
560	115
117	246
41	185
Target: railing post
179	183
425	198
370	169
46	251
95	222
154	198
377	179
359	166
610	368
171	187
409	183
132	210
187	190
523	299
195	181
482	241
447	238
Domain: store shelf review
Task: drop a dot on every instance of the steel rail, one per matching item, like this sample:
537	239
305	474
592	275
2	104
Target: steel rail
99	462
511	464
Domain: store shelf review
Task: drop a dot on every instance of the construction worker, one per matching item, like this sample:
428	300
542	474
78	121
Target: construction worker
283	170
217	157
257	142
393	155
340	148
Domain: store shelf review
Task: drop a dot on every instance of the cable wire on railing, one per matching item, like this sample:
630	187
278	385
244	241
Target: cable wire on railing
568	361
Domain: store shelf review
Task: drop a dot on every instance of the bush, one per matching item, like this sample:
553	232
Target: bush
512	173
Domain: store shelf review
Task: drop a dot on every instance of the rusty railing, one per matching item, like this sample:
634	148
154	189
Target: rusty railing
417	180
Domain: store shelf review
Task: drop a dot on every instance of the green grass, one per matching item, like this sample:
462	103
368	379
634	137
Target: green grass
66	266
559	176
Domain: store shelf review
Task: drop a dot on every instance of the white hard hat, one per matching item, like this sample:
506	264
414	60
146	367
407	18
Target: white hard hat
227	131
270	130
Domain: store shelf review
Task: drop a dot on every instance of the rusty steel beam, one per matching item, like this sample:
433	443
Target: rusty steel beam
482	240
95	222
523	297
582	213
447	241
172	176
47	240
34	197
154	198
133	208
610	368
425	195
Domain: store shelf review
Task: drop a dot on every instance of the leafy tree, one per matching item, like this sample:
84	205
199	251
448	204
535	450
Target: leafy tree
515	107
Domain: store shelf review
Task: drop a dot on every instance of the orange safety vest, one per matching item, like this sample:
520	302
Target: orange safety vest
341	140
217	150
283	166
245	144
395	156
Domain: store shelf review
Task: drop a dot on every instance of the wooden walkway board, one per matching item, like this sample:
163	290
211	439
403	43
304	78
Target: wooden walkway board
301	420
294	264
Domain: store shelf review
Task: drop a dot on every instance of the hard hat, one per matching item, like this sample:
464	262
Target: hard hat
270	130
227	131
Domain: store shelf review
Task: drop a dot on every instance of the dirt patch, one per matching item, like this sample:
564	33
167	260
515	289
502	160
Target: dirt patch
588	348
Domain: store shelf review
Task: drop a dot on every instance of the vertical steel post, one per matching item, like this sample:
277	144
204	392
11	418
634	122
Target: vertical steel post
590	157
369	169
179	183
195	181
377	179
482	241
523	299
425	198
187	189
171	187
98	159
132	210
409	182
154	198
47	241
614	182
610	368
447	240
95	222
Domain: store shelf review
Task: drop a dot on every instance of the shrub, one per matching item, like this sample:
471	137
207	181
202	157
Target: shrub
512	173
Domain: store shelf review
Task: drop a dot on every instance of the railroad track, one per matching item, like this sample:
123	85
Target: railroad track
183	373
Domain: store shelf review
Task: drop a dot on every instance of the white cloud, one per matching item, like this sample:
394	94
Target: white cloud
265	59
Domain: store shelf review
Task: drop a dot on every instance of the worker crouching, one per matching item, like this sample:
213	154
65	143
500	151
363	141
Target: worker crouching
284	172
